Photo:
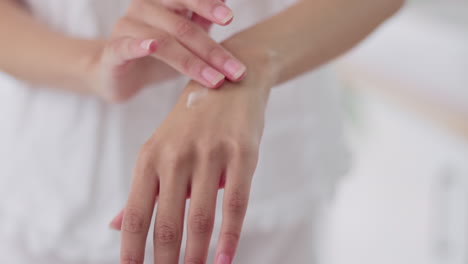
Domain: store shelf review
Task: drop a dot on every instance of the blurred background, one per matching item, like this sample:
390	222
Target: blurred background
406	198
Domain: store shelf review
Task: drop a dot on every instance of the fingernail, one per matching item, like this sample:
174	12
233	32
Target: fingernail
224	259
114	223
212	76
222	14
148	44
111	226
234	68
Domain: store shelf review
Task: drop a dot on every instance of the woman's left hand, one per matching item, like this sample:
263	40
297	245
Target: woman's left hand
209	140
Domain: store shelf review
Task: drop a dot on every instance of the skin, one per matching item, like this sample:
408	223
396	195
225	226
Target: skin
217	147
149	44
215	144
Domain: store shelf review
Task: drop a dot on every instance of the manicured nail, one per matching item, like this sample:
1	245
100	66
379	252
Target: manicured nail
223	259
112	226
116	221
222	14
234	68
212	76
149	45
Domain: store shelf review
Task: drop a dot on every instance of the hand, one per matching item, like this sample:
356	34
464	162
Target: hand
155	38
208	141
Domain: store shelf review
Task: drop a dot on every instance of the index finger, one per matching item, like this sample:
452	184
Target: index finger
194	39
215	11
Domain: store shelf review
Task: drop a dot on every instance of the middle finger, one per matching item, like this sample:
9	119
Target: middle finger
168	228
202	211
195	39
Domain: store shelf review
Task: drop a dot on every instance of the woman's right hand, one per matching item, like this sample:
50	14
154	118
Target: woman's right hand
155	40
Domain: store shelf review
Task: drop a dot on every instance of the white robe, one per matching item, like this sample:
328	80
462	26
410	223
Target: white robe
66	159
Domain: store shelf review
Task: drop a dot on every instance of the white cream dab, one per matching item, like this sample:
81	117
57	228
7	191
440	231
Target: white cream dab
195	96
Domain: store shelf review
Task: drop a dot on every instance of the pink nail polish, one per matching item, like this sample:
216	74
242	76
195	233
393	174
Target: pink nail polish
222	14
212	76
149	45
112	227
224	259
234	68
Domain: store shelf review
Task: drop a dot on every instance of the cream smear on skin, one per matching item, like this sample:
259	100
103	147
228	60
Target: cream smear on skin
195	97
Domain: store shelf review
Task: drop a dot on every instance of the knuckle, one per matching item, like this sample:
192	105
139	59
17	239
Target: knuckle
184	28
201	221
146	159
166	232
131	259
133	221
189	63
237	203
230	237
194	260
242	149
211	151
176	155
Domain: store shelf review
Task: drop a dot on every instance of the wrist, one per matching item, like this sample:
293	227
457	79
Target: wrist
88	68
83	63
262	64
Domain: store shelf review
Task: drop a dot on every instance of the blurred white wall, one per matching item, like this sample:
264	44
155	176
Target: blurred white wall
406	199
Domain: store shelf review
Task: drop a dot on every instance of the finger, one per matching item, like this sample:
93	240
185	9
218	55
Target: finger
138	212
116	222
204	23
169	222
235	199
202	212
215	11
197	41
183	60
173	53
183	13
124	49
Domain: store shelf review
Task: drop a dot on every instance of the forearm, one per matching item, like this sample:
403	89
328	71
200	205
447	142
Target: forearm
31	52
311	33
